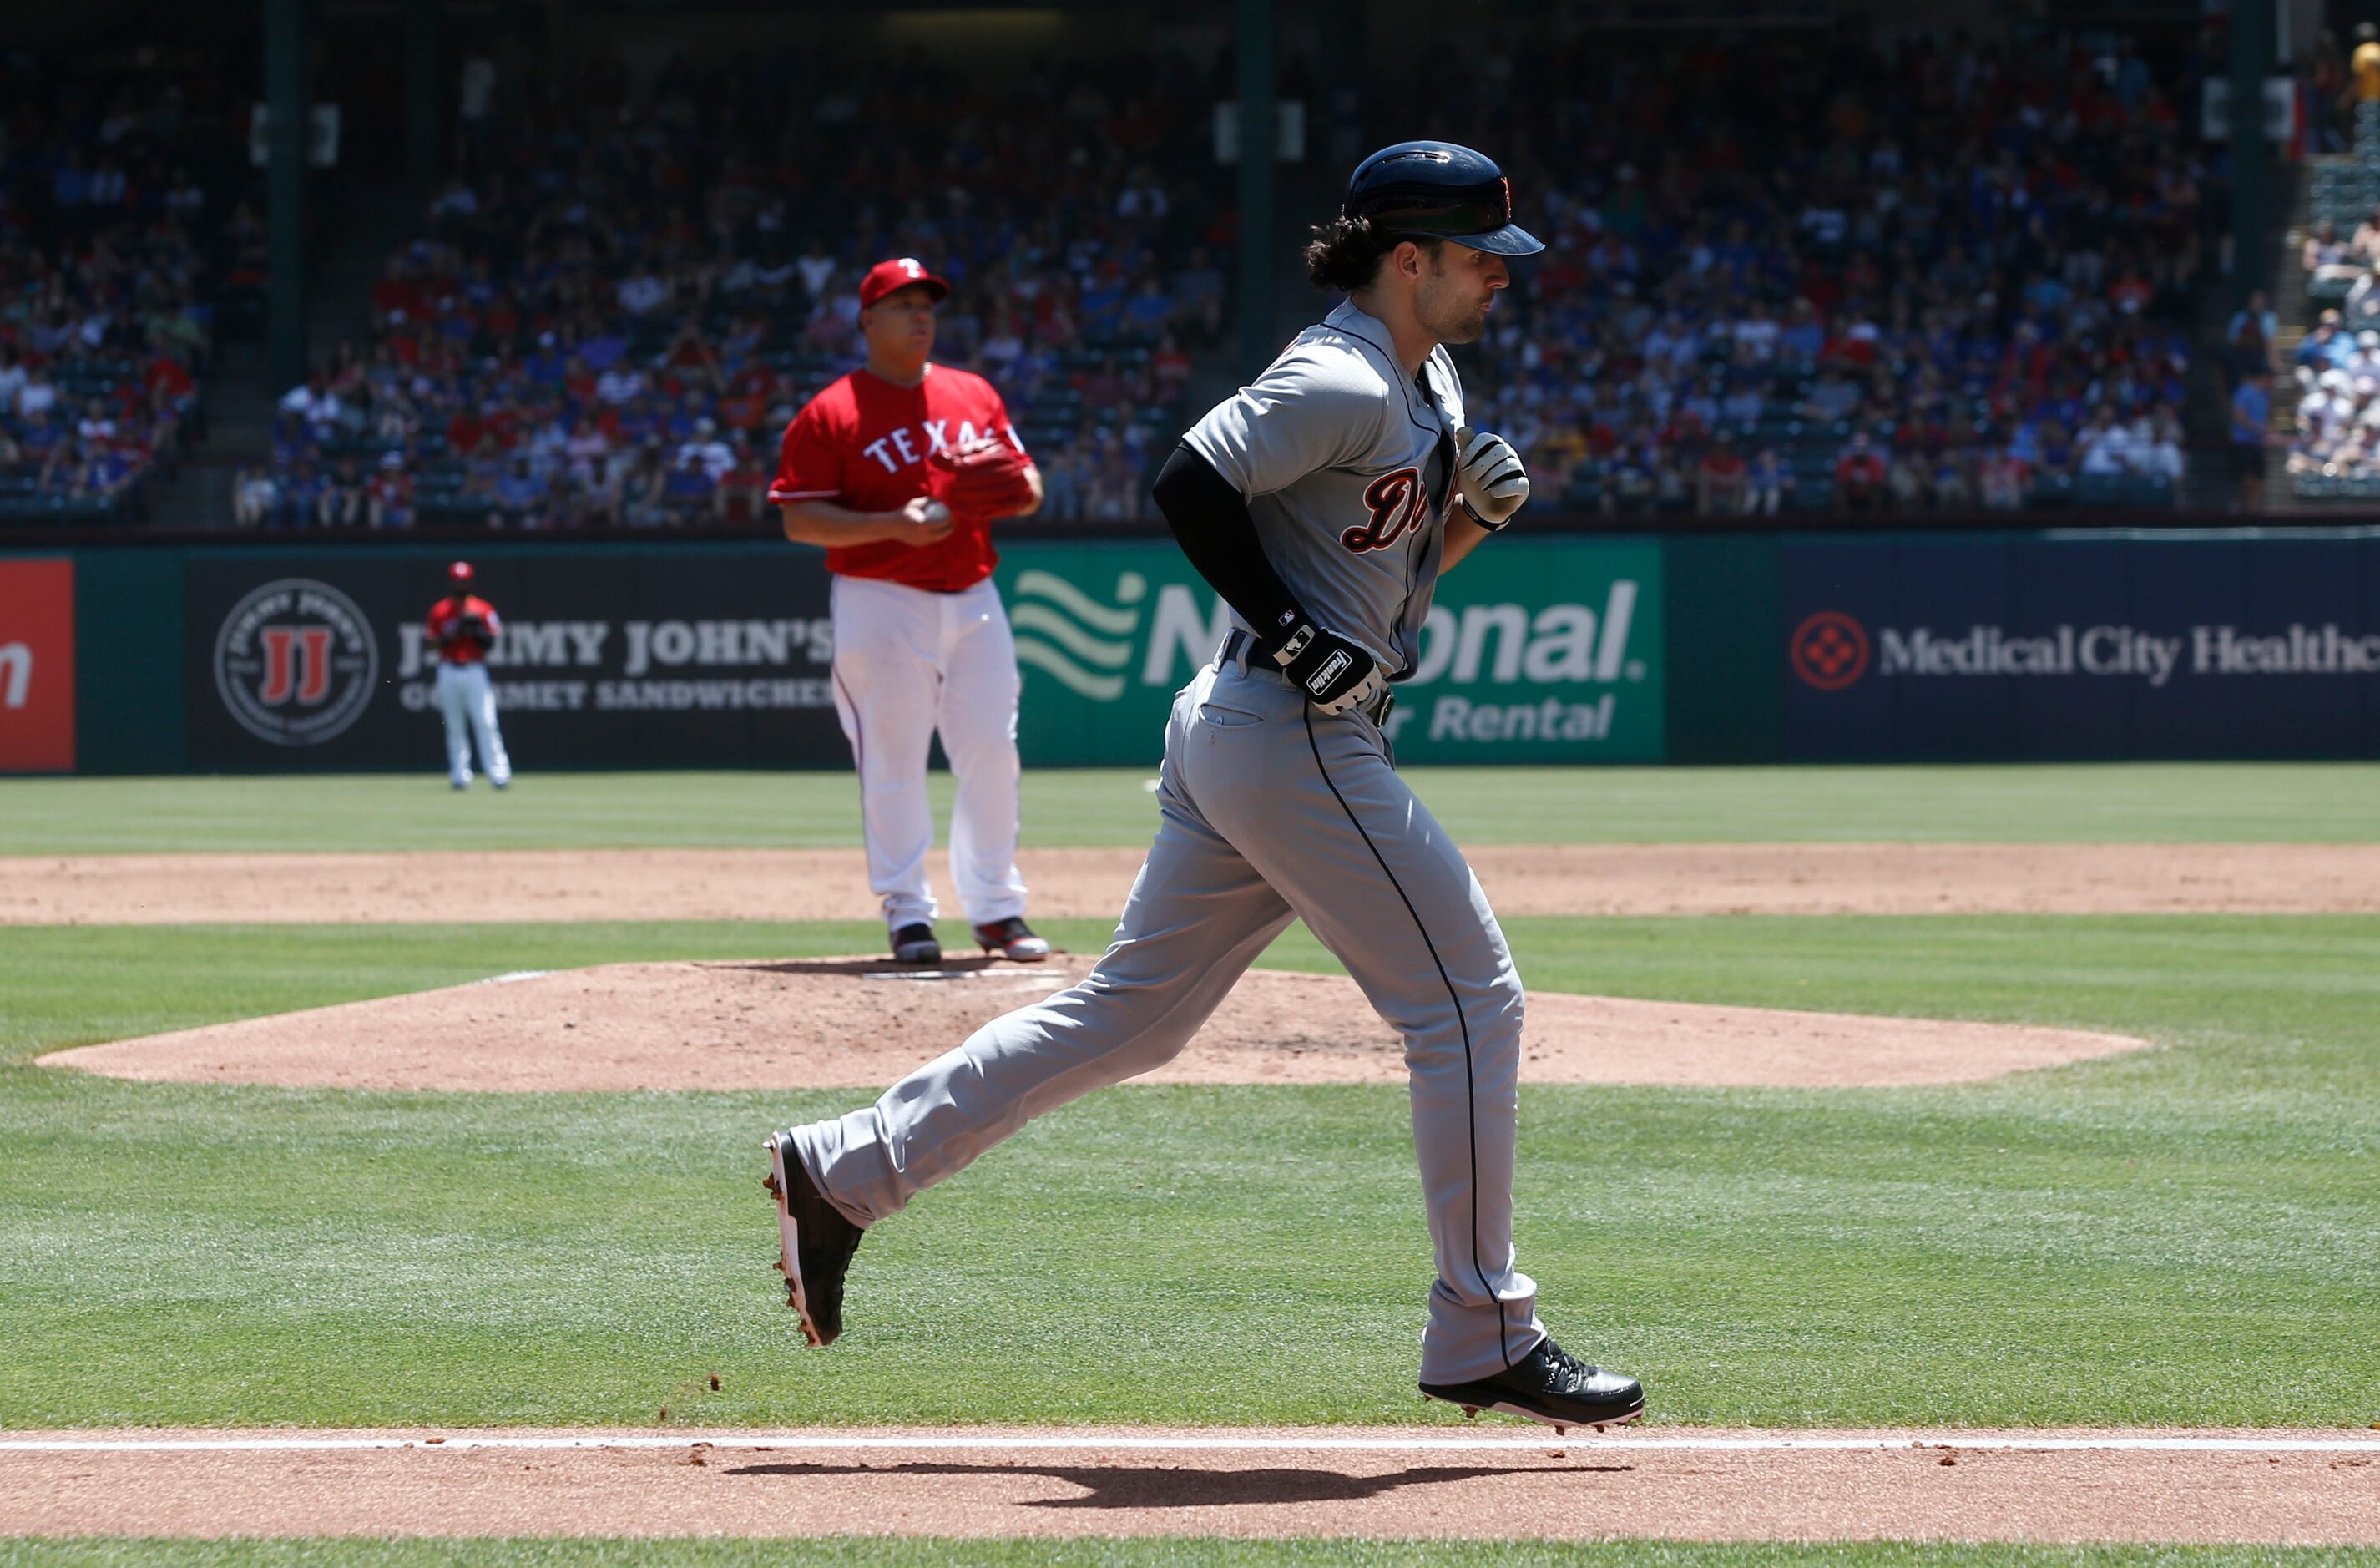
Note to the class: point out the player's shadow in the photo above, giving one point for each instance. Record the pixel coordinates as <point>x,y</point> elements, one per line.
<point>955,966</point>
<point>1148,1486</point>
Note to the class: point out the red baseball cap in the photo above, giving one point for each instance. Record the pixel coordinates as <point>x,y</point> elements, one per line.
<point>899,273</point>
<point>459,572</point>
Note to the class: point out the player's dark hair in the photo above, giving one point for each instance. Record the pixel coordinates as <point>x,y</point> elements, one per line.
<point>1345,253</point>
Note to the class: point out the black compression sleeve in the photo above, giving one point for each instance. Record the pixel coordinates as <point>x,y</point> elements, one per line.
<point>1212,525</point>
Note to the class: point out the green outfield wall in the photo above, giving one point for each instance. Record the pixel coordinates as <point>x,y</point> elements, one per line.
<point>1544,647</point>
<point>1550,650</point>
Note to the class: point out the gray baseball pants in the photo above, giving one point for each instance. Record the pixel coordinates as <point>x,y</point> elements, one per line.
<point>1269,811</point>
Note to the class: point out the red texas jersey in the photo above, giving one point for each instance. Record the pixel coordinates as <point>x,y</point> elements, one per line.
<point>452,630</point>
<point>862,443</point>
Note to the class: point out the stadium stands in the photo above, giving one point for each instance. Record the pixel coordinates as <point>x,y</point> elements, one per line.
<point>1861,278</point>
<point>2333,452</point>
<point>1820,275</point>
<point>611,321</point>
<point>123,240</point>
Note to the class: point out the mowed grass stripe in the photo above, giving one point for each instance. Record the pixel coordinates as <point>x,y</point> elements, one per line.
<point>2173,1238</point>
<point>2112,803</point>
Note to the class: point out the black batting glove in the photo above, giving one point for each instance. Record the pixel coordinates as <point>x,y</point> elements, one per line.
<point>1335,672</point>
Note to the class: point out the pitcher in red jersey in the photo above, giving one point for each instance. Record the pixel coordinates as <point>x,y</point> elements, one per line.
<point>921,642</point>
<point>460,629</point>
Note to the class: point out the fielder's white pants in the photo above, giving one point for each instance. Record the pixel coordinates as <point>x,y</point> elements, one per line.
<point>907,663</point>
<point>469,704</point>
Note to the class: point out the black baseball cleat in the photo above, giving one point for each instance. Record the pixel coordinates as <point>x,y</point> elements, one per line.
<point>915,944</point>
<point>815,1241</point>
<point>1552,1386</point>
<point>1012,938</point>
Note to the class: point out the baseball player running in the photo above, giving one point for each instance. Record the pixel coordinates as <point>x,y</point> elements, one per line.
<point>1321,502</point>
<point>899,468</point>
<point>461,628</point>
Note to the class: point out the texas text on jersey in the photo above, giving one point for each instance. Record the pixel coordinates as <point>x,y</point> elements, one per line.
<point>863,442</point>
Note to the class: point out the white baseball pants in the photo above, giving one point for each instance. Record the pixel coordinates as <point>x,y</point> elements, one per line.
<point>468,704</point>
<point>906,664</point>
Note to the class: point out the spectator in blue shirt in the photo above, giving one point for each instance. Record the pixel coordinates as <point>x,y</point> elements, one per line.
<point>2327,347</point>
<point>688,489</point>
<point>2251,414</point>
<point>1149,312</point>
<point>603,351</point>
<point>1102,304</point>
<point>301,492</point>
<point>518,490</point>
<point>1804,333</point>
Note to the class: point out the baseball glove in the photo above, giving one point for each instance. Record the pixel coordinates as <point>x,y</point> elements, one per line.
<point>984,478</point>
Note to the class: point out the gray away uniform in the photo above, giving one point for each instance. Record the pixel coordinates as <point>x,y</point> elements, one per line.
<point>1269,811</point>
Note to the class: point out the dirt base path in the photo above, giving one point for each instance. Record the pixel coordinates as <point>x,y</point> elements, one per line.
<point>1493,1482</point>
<point>824,884</point>
<point>861,1022</point>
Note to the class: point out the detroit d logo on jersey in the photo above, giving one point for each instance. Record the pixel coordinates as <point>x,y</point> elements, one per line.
<point>296,661</point>
<point>1395,500</point>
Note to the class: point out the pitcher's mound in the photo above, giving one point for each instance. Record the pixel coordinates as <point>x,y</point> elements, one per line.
<point>860,1023</point>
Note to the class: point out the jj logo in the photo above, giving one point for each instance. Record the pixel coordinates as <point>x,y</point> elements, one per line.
<point>295,663</point>
<point>308,649</point>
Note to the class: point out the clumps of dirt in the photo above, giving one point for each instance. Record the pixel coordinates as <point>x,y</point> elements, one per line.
<point>861,1022</point>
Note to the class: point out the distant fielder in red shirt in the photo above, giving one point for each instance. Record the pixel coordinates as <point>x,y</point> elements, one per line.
<point>461,628</point>
<point>899,469</point>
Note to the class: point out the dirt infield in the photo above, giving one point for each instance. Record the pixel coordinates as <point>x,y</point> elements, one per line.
<point>815,885</point>
<point>860,1023</point>
<point>1498,1481</point>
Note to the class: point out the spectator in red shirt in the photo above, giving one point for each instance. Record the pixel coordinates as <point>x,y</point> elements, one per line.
<point>1720,482</point>
<point>743,488</point>
<point>1859,475</point>
<point>390,500</point>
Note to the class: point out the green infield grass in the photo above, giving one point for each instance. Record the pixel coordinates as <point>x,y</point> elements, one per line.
<point>836,1552</point>
<point>2181,1236</point>
<point>2119,802</point>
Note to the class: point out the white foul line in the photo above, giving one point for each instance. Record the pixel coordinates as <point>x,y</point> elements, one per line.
<point>815,1441</point>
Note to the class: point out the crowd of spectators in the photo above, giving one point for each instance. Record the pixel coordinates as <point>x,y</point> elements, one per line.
<point>613,310</point>
<point>1813,271</point>
<point>2334,438</point>
<point>120,230</point>
<point>1823,273</point>
<point>2337,433</point>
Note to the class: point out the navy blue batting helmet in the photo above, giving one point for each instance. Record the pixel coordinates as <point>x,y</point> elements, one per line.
<point>1436,190</point>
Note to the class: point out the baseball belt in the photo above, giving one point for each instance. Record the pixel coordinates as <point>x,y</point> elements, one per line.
<point>1241,648</point>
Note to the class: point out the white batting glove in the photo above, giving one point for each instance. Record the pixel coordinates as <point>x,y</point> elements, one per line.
<point>1488,473</point>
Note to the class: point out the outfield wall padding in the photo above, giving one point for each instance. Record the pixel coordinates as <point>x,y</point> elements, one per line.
<point>129,686</point>
<point>1703,648</point>
<point>659,656</point>
<point>2080,646</point>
